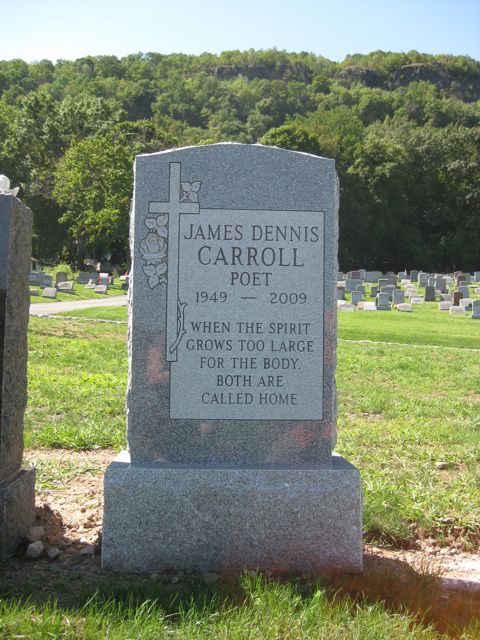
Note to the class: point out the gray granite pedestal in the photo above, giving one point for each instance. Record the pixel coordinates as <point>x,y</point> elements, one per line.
<point>221,519</point>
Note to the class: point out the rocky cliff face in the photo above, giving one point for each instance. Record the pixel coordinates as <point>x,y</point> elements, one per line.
<point>465,87</point>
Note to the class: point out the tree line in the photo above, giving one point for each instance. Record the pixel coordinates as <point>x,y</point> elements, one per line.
<point>404,129</point>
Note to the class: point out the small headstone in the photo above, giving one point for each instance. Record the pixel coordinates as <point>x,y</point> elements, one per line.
<point>34,277</point>
<point>17,484</point>
<point>90,285</point>
<point>383,302</point>
<point>464,290</point>
<point>457,296</point>
<point>476,276</point>
<point>431,281</point>
<point>66,287</point>
<point>49,292</point>
<point>476,310</point>
<point>104,281</point>
<point>34,292</point>
<point>430,294</point>
<point>373,291</point>
<point>83,277</point>
<point>422,279</point>
<point>360,288</point>
<point>369,306</point>
<point>440,284</point>
<point>417,300</point>
<point>350,285</point>
<point>372,276</point>
<point>230,438</point>
<point>457,311</point>
<point>61,276</point>
<point>347,307</point>
<point>404,307</point>
<point>383,282</point>
<point>444,305</point>
<point>355,275</point>
<point>100,288</point>
<point>340,276</point>
<point>340,293</point>
<point>356,297</point>
<point>414,276</point>
<point>388,289</point>
<point>466,303</point>
<point>398,296</point>
<point>446,297</point>
<point>45,280</point>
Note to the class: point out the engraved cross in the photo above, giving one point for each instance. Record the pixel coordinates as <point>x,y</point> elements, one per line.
<point>174,208</point>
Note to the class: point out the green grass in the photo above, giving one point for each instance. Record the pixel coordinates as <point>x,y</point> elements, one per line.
<point>80,293</point>
<point>77,382</point>
<point>402,412</point>
<point>426,325</point>
<point>263,611</point>
<point>99,313</point>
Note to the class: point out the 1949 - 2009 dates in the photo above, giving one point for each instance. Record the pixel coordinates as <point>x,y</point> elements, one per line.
<point>275,297</point>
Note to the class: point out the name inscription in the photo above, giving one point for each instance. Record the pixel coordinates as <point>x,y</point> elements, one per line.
<point>250,286</point>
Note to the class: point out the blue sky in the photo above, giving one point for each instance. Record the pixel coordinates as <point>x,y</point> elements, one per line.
<point>69,29</point>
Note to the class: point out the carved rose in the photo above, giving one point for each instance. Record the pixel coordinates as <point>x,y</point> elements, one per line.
<point>153,248</point>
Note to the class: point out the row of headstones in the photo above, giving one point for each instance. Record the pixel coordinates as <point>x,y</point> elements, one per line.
<point>98,282</point>
<point>421,277</point>
<point>383,304</point>
<point>437,285</point>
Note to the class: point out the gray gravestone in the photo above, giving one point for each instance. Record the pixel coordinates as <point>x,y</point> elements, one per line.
<point>464,290</point>
<point>17,485</point>
<point>383,302</point>
<point>231,393</point>
<point>356,297</point>
<point>373,292</point>
<point>350,285</point>
<point>430,294</point>
<point>476,310</point>
<point>66,287</point>
<point>414,276</point>
<point>45,280</point>
<point>49,292</point>
<point>60,276</point>
<point>422,279</point>
<point>100,288</point>
<point>398,296</point>
<point>441,284</point>
<point>476,276</point>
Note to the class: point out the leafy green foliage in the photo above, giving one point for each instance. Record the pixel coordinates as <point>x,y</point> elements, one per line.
<point>404,129</point>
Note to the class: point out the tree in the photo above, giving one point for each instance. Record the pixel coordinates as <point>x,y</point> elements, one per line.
<point>93,182</point>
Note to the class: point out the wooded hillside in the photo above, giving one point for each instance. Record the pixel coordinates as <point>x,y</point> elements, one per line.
<point>404,130</point>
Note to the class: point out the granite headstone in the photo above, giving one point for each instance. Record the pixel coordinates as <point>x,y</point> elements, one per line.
<point>17,485</point>
<point>231,393</point>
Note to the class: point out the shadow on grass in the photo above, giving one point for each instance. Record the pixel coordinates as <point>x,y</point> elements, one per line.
<point>396,585</point>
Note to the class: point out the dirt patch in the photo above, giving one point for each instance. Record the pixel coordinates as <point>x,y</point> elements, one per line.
<point>442,583</point>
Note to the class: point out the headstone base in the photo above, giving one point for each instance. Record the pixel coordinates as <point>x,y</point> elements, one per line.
<point>223,519</point>
<point>17,510</point>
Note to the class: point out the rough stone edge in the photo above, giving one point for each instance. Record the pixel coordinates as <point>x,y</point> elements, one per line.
<point>158,518</point>
<point>17,510</point>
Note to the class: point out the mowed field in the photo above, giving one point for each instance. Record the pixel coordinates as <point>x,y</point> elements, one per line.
<point>408,417</point>
<point>408,414</point>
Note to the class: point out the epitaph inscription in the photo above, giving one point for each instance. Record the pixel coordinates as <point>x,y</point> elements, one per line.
<point>244,324</point>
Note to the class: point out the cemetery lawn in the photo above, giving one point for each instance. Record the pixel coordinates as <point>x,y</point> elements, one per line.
<point>254,608</point>
<point>409,418</point>
<point>426,325</point>
<point>80,293</point>
<point>118,314</point>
